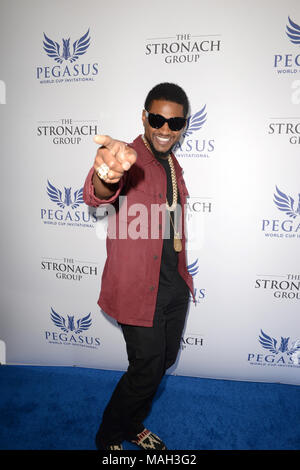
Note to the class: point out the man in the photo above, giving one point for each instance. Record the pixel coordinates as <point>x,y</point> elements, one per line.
<point>145,281</point>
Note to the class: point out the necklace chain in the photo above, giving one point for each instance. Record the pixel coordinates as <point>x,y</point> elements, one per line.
<point>171,207</point>
<point>177,239</point>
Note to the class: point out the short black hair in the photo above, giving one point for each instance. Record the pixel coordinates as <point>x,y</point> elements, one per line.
<point>168,92</point>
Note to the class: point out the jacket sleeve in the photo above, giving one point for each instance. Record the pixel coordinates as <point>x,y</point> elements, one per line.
<point>89,195</point>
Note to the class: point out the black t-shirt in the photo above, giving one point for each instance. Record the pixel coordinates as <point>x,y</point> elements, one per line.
<point>169,259</point>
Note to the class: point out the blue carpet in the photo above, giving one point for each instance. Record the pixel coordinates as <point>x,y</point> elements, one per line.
<point>59,408</point>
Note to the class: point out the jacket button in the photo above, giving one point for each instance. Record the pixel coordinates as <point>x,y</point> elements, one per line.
<point>152,288</point>
<point>160,195</point>
<point>155,257</point>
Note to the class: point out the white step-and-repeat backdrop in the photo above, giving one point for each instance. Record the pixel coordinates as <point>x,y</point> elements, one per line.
<point>70,70</point>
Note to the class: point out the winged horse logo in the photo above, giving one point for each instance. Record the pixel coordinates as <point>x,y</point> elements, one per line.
<point>69,324</point>
<point>56,196</point>
<point>286,203</point>
<point>195,122</point>
<point>53,49</point>
<point>293,32</point>
<point>271,344</point>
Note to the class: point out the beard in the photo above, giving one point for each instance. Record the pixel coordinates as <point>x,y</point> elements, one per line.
<point>158,154</point>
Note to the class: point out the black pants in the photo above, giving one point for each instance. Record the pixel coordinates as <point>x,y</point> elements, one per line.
<point>151,351</point>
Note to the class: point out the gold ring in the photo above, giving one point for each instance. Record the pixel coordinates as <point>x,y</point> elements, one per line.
<point>102,171</point>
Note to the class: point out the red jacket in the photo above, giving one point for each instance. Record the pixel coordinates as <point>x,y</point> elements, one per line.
<point>131,273</point>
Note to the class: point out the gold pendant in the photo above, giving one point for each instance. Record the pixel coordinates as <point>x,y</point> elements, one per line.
<point>177,242</point>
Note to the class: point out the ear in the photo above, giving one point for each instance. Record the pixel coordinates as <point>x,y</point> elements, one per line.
<point>144,117</point>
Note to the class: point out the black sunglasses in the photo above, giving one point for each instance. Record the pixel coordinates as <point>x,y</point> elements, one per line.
<point>157,121</point>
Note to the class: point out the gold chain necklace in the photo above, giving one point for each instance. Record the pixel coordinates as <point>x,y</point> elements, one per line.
<point>177,239</point>
<point>174,186</point>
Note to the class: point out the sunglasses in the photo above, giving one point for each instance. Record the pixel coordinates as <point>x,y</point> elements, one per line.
<point>157,121</point>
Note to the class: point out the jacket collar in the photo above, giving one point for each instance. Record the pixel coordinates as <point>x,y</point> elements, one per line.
<point>147,155</point>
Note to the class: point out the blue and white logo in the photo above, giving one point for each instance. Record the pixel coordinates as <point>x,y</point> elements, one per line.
<point>66,214</point>
<point>289,63</point>
<point>191,146</point>
<point>280,353</point>
<point>270,343</point>
<point>52,48</point>
<point>67,56</point>
<point>193,268</point>
<point>67,325</point>
<point>67,199</point>
<point>289,227</point>
<point>285,203</point>
<point>195,122</point>
<point>199,293</point>
<point>293,32</point>
<point>71,330</point>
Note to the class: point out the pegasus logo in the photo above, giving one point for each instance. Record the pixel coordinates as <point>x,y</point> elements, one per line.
<point>56,196</point>
<point>199,292</point>
<point>289,63</point>
<point>195,122</point>
<point>293,32</point>
<point>68,324</point>
<point>271,344</point>
<point>52,48</point>
<point>193,268</point>
<point>279,352</point>
<point>193,146</point>
<point>286,203</point>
